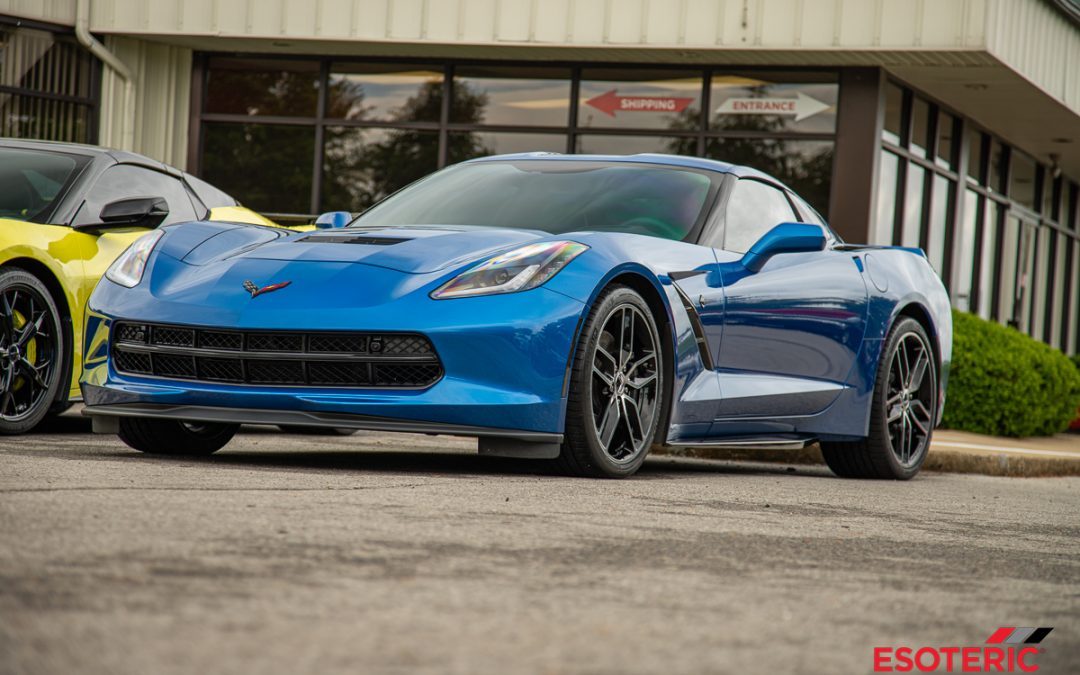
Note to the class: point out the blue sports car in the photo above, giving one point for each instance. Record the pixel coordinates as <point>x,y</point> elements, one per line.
<point>573,308</point>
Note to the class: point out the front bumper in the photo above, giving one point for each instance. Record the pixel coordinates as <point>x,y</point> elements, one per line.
<point>505,361</point>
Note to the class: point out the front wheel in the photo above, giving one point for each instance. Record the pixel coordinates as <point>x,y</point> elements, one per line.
<point>616,389</point>
<point>172,437</point>
<point>902,413</point>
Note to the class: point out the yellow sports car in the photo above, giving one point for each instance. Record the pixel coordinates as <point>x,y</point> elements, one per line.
<point>66,212</point>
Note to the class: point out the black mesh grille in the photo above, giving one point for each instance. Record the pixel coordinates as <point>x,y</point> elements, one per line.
<point>327,359</point>
<point>275,342</point>
<point>173,337</point>
<point>212,340</point>
<point>131,332</point>
<point>133,362</point>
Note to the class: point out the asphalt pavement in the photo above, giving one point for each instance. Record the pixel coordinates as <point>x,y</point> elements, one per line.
<point>400,554</point>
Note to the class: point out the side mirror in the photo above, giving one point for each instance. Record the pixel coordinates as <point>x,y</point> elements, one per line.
<point>333,220</point>
<point>784,238</point>
<point>133,212</point>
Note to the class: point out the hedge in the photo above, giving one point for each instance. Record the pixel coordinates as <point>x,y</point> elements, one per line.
<point>1005,383</point>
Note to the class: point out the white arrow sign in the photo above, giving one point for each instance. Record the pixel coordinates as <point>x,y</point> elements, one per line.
<point>802,106</point>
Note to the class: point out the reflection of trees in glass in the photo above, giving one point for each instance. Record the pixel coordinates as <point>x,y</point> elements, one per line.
<point>262,92</point>
<point>267,168</point>
<point>807,172</point>
<point>357,173</point>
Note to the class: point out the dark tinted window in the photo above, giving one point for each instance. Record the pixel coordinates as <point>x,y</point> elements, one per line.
<point>753,209</point>
<point>269,166</point>
<point>555,196</point>
<point>126,181</point>
<point>31,182</point>
<point>256,88</point>
<point>209,195</point>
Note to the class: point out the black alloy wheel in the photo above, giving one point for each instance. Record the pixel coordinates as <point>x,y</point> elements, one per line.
<point>617,387</point>
<point>902,414</point>
<point>31,352</point>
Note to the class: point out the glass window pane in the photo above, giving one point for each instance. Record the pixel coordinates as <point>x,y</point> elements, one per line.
<point>127,181</point>
<point>920,127</point>
<point>361,166</point>
<point>1022,180</point>
<point>387,92</point>
<point>940,208</point>
<point>997,168</point>
<point>753,209</point>
<point>468,144</point>
<point>886,200</point>
<point>44,61</point>
<point>594,144</point>
<point>512,96</point>
<point>945,148</point>
<point>26,116</point>
<point>804,166</point>
<point>266,167</point>
<point>1056,306</point>
<point>1074,294</point>
<point>638,98</point>
<point>774,102</point>
<point>913,206</point>
<point>894,104</point>
<point>987,278</point>
<point>1007,288</point>
<point>262,87</point>
<point>1051,196</point>
<point>964,253</point>
<point>975,156</point>
<point>1040,282</point>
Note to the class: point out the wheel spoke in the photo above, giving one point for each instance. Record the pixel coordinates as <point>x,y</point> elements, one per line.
<point>31,372</point>
<point>640,362</point>
<point>633,420</point>
<point>609,422</point>
<point>914,421</point>
<point>6,401</point>
<point>30,330</point>
<point>918,373</point>
<point>904,365</point>
<point>7,320</point>
<point>607,355</point>
<point>641,382</point>
<point>895,413</point>
<point>608,379</point>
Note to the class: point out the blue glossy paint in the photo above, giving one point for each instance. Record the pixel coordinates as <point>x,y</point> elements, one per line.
<point>333,220</point>
<point>793,329</point>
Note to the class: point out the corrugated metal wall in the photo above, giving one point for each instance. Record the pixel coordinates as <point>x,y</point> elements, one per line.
<point>162,99</point>
<point>1052,61</point>
<point>768,24</point>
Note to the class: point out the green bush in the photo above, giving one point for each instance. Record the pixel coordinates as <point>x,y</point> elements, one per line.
<point>1005,383</point>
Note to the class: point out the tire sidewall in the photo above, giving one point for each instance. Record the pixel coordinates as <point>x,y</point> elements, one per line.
<point>612,301</point>
<point>19,278</point>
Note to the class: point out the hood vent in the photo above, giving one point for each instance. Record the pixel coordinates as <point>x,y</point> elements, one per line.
<point>353,239</point>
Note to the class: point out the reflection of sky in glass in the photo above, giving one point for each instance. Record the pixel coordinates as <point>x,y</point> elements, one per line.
<point>725,87</point>
<point>675,87</point>
<point>378,96</point>
<point>521,102</point>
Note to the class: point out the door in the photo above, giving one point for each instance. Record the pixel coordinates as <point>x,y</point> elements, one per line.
<point>792,330</point>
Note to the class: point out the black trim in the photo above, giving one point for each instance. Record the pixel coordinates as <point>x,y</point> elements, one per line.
<point>198,413</point>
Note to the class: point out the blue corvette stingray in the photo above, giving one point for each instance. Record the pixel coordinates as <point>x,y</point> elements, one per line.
<point>574,308</point>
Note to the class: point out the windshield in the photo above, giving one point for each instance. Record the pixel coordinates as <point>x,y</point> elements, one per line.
<point>555,196</point>
<point>31,182</point>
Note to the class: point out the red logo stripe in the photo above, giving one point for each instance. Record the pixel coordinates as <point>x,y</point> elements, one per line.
<point>1000,634</point>
<point>271,287</point>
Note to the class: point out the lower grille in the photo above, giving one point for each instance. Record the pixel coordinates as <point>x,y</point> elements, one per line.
<point>320,359</point>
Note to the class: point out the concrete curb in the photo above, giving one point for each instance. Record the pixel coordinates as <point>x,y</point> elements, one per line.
<point>945,460</point>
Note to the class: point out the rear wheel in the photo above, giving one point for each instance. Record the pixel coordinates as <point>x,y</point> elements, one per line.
<point>172,437</point>
<point>902,414</point>
<point>31,352</point>
<point>616,389</point>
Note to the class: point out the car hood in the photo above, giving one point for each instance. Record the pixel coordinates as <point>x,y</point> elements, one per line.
<point>414,250</point>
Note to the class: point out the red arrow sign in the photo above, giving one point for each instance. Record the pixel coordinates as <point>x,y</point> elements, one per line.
<point>608,103</point>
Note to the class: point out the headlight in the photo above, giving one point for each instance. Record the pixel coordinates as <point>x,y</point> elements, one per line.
<point>127,270</point>
<point>518,270</point>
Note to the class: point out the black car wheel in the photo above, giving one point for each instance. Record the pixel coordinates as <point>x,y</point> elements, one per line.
<point>902,414</point>
<point>616,389</point>
<point>31,352</point>
<point>172,437</point>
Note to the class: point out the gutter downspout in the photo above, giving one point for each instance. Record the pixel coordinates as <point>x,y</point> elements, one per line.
<point>82,33</point>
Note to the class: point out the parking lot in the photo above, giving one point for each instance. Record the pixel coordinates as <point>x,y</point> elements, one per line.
<point>381,553</point>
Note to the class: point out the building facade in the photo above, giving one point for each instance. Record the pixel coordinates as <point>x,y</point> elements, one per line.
<point>951,125</point>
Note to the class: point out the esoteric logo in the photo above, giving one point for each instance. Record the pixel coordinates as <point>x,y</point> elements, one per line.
<point>1009,649</point>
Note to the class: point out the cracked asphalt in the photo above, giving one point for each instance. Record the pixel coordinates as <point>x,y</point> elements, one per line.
<point>379,553</point>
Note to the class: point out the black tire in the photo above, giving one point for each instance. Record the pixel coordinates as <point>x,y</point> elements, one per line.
<point>902,416</point>
<point>315,431</point>
<point>173,437</point>
<point>630,385</point>
<point>32,352</point>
